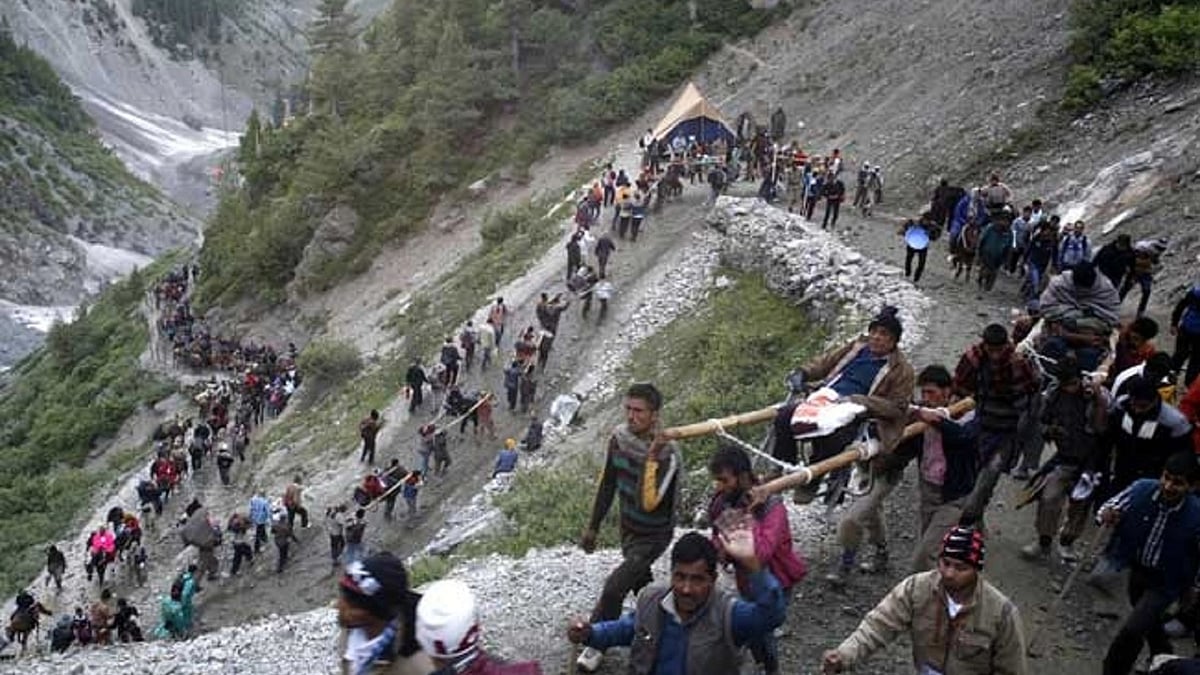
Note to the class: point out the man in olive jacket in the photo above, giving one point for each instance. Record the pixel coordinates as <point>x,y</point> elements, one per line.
<point>958,622</point>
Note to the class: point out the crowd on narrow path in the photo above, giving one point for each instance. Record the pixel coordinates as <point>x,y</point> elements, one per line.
<point>1073,403</point>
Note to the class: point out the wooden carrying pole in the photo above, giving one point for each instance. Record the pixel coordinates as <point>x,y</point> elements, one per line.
<point>713,426</point>
<point>805,474</point>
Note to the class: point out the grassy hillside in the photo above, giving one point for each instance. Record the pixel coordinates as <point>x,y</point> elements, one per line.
<point>53,167</point>
<point>1119,41</point>
<point>59,404</point>
<point>434,96</point>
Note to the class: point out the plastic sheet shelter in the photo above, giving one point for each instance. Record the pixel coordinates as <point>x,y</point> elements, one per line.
<point>693,115</point>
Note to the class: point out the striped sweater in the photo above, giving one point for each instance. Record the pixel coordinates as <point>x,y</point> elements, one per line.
<point>647,489</point>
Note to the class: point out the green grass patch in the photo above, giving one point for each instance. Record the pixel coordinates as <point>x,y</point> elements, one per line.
<point>62,402</point>
<point>731,355</point>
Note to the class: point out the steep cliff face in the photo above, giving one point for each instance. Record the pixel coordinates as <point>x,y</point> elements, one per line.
<point>167,108</point>
<point>73,217</point>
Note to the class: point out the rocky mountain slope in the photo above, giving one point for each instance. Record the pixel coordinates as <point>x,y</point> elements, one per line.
<point>74,217</point>
<point>926,89</point>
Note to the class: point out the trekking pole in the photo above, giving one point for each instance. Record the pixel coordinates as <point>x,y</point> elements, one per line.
<point>1089,556</point>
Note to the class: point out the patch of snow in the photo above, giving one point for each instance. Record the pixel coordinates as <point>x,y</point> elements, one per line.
<point>109,262</point>
<point>35,317</point>
<point>149,141</point>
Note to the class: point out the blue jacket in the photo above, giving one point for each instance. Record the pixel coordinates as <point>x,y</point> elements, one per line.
<point>1172,548</point>
<point>756,618</point>
<point>506,462</point>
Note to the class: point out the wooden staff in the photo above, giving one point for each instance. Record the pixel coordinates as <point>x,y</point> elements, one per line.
<point>486,396</point>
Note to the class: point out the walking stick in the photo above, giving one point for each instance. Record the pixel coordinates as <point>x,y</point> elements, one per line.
<point>1089,555</point>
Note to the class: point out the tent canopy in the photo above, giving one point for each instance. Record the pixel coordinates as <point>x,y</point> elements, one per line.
<point>693,115</point>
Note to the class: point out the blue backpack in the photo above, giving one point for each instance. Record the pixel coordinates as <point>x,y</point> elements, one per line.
<point>1190,321</point>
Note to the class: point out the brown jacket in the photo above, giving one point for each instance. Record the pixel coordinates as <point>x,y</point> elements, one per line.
<point>417,664</point>
<point>985,639</point>
<point>890,394</point>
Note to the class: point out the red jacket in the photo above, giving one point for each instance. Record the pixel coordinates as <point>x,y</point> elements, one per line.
<point>1190,407</point>
<point>772,542</point>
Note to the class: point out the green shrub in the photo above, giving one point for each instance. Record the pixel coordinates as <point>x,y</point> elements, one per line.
<point>326,364</point>
<point>433,97</point>
<point>1083,88</point>
<point>1129,39</point>
<point>1166,43</point>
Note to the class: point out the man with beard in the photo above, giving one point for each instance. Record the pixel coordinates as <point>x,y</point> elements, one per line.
<point>956,620</point>
<point>377,613</point>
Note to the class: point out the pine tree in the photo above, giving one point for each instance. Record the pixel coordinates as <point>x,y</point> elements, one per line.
<point>332,45</point>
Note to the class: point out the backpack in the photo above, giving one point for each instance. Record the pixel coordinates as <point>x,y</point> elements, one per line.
<point>83,630</point>
<point>1073,250</point>
<point>467,338</point>
<point>1190,321</point>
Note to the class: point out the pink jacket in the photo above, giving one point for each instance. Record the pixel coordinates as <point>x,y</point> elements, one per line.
<point>772,542</point>
<point>103,542</point>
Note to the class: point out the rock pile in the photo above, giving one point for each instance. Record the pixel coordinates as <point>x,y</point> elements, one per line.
<point>277,645</point>
<point>829,279</point>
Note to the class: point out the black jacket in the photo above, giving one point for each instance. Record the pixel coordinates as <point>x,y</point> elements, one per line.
<point>1113,262</point>
<point>959,441</point>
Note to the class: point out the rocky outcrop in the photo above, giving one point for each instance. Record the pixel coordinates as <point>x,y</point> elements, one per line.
<point>834,282</point>
<point>330,240</point>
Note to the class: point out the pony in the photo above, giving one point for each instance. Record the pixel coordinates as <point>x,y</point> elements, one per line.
<point>963,247</point>
<point>669,187</point>
<point>25,620</point>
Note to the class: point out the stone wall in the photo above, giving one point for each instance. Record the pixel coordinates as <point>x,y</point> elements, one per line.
<point>829,279</point>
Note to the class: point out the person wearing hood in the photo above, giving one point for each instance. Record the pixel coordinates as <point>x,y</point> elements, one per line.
<point>449,632</point>
<point>1082,309</point>
<point>377,613</point>
<point>641,472</point>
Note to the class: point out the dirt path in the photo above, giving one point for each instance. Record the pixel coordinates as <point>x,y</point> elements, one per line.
<point>821,616</point>
<point>581,345</point>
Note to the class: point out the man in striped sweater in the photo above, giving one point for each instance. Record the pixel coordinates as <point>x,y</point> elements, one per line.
<point>641,473</point>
